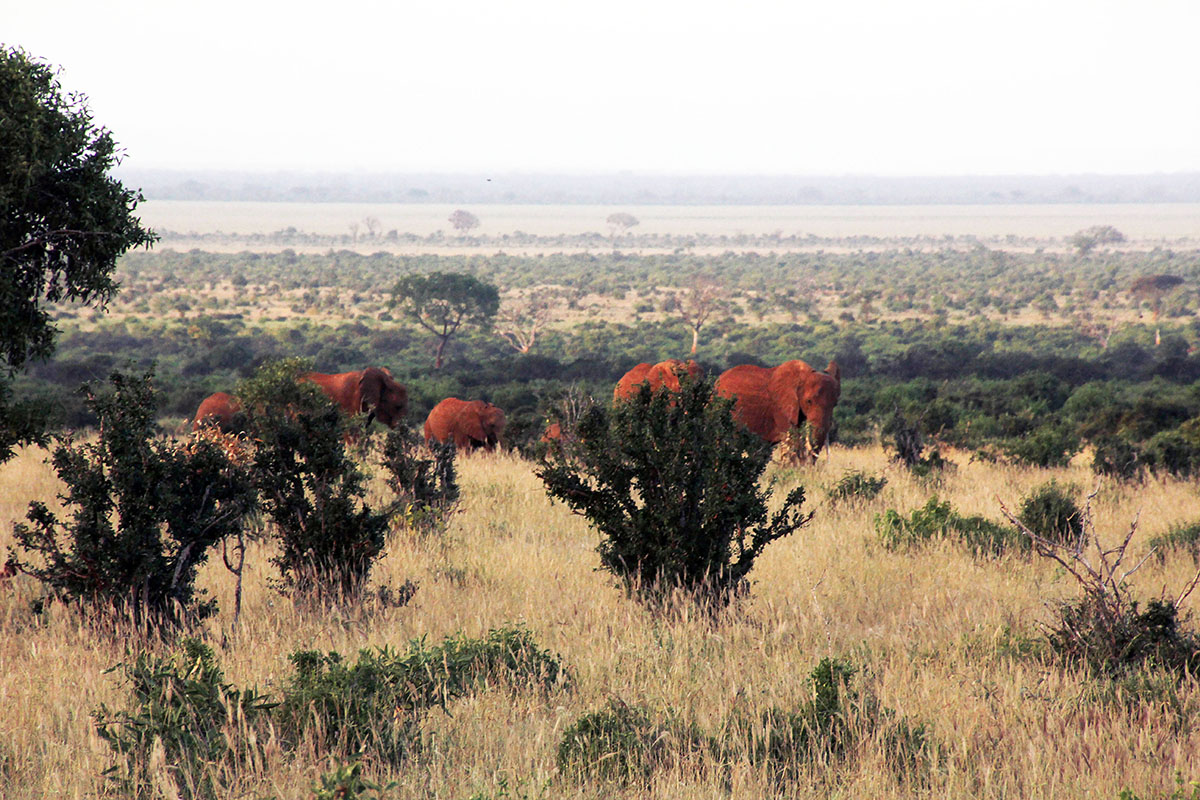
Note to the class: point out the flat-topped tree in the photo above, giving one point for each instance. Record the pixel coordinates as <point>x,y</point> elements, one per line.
<point>441,302</point>
<point>64,220</point>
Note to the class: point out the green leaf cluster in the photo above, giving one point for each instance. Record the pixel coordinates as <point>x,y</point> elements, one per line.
<point>671,482</point>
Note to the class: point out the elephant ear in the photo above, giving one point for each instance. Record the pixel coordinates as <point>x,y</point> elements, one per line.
<point>835,372</point>
<point>370,388</point>
<point>785,388</point>
<point>470,421</point>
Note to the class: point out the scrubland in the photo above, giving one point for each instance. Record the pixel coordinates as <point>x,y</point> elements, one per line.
<point>938,635</point>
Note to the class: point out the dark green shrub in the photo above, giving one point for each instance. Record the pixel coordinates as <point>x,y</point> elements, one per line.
<point>671,482</point>
<point>426,488</point>
<point>829,726</point>
<point>856,485</point>
<point>1180,537</point>
<point>907,443</point>
<point>182,705</point>
<point>1047,446</point>
<point>329,537</point>
<point>626,744</point>
<point>1172,453</point>
<point>1117,457</point>
<point>145,512</point>
<point>936,520</point>
<point>1111,636</point>
<point>1051,512</point>
<point>375,704</point>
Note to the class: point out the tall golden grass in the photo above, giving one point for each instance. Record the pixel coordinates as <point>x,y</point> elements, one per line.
<point>929,631</point>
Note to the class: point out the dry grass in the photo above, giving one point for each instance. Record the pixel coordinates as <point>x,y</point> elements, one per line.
<point>928,630</point>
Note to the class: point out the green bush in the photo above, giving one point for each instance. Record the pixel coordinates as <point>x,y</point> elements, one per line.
<point>426,489</point>
<point>626,744</point>
<point>1113,638</point>
<point>827,728</point>
<point>183,706</point>
<point>1172,453</point>
<point>1051,512</point>
<point>907,443</point>
<point>329,537</point>
<point>1117,457</point>
<point>1180,537</point>
<point>145,512</point>
<point>856,485</point>
<point>671,482</point>
<point>375,704</point>
<point>1047,446</point>
<point>938,520</point>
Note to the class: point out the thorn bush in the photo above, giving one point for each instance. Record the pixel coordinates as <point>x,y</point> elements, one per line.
<point>1051,512</point>
<point>671,483</point>
<point>907,444</point>
<point>329,537</point>
<point>144,512</point>
<point>426,489</point>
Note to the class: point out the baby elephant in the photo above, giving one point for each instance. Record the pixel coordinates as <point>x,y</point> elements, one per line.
<point>468,423</point>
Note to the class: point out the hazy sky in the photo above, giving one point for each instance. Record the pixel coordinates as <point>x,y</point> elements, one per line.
<point>929,87</point>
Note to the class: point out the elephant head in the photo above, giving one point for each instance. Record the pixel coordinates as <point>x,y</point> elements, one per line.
<point>470,424</point>
<point>381,397</point>
<point>770,402</point>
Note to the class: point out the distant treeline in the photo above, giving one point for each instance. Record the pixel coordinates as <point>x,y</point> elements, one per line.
<point>638,189</point>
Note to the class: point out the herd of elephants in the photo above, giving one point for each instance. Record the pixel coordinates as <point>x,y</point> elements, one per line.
<point>768,401</point>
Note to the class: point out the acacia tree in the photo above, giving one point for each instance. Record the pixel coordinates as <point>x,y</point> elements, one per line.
<point>524,317</point>
<point>696,305</point>
<point>1086,240</point>
<point>441,302</point>
<point>464,221</point>
<point>63,221</point>
<point>622,221</point>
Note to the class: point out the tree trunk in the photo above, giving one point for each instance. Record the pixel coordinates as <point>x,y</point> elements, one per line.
<point>441,346</point>
<point>695,339</point>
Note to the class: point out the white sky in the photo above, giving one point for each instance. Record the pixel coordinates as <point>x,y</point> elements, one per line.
<point>924,87</point>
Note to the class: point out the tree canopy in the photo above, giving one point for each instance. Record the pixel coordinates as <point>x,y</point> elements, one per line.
<point>441,302</point>
<point>64,220</point>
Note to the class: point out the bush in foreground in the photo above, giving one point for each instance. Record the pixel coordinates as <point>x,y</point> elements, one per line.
<point>145,512</point>
<point>329,537</point>
<point>190,734</point>
<point>671,482</point>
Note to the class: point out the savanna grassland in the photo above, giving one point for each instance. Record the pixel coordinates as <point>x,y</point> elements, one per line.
<point>936,634</point>
<point>1016,354</point>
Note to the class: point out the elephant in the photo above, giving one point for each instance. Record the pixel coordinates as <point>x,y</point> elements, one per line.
<point>468,423</point>
<point>771,401</point>
<point>372,391</point>
<point>216,409</point>
<point>664,373</point>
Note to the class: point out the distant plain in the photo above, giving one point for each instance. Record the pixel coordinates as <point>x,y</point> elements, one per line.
<point>1144,224</point>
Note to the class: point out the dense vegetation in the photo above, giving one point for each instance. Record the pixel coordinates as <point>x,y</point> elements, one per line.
<point>1018,355</point>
